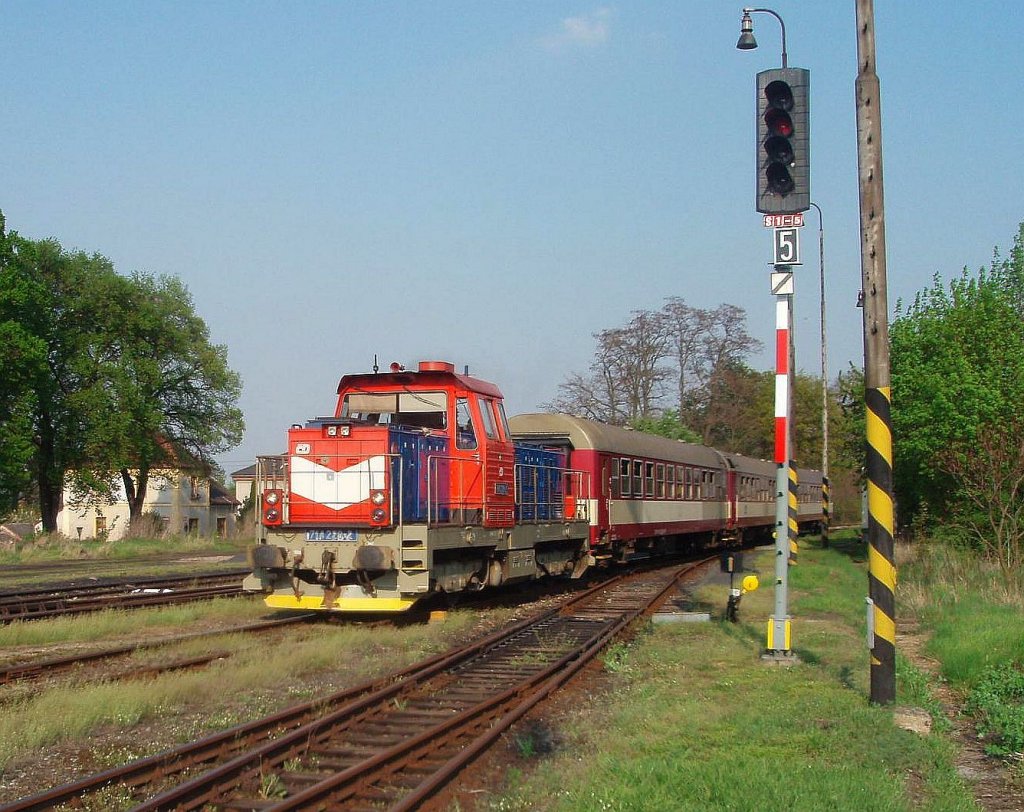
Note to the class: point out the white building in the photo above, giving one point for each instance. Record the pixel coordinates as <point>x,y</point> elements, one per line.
<point>184,502</point>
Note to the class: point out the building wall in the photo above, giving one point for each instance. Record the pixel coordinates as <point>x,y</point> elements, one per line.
<point>182,501</point>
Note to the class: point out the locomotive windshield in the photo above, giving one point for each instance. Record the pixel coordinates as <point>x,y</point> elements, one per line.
<point>423,409</point>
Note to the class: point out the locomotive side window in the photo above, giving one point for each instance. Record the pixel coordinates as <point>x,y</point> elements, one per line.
<point>624,477</point>
<point>503,419</point>
<point>488,417</point>
<point>464,431</point>
<point>638,478</point>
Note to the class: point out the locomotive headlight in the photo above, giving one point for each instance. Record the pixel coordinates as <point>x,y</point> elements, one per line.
<point>272,497</point>
<point>378,497</point>
<point>378,515</point>
<point>271,515</point>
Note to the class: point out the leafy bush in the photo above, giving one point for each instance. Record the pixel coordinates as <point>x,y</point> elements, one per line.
<point>998,703</point>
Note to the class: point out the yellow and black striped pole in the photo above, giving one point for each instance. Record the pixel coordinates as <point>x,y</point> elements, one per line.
<point>881,566</point>
<point>794,508</point>
<point>877,395</point>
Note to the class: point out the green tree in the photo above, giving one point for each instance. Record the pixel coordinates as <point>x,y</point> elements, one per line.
<point>957,370</point>
<point>666,424</point>
<point>49,301</point>
<point>104,377</point>
<point>172,395</point>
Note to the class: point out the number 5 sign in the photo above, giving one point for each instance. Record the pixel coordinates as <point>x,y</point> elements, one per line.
<point>787,246</point>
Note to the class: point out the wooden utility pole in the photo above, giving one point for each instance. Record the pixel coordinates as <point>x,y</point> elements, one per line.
<point>877,392</point>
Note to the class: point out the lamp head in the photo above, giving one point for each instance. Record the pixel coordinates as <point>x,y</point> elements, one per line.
<point>746,41</point>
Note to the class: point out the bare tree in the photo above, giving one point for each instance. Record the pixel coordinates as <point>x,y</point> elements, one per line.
<point>625,377</point>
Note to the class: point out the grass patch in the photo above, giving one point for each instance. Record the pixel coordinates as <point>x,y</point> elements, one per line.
<point>41,549</point>
<point>310,660</point>
<point>695,721</point>
<point>112,625</point>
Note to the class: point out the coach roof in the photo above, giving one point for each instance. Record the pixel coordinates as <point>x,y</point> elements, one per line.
<point>586,434</point>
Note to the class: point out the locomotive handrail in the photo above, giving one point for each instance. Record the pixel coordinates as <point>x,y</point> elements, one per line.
<point>433,480</point>
<point>556,505</point>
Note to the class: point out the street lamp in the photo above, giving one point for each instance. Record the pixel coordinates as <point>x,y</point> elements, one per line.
<point>826,490</point>
<point>747,42</point>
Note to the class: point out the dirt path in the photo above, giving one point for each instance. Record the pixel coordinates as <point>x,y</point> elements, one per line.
<point>988,778</point>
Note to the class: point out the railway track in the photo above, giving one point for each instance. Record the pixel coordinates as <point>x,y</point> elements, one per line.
<point>54,666</point>
<point>31,604</point>
<point>393,743</point>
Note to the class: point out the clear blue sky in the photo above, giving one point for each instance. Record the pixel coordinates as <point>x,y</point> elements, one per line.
<point>487,183</point>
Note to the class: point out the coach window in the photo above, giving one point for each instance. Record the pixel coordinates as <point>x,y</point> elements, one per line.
<point>670,475</point>
<point>624,477</point>
<point>488,417</point>
<point>465,434</point>
<point>649,493</point>
<point>660,473</point>
<point>638,478</point>
<point>680,492</point>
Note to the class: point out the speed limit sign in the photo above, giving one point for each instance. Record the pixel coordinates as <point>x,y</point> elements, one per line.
<point>787,246</point>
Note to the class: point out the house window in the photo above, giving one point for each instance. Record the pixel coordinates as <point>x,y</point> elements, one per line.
<point>222,526</point>
<point>191,526</point>
<point>101,525</point>
<point>196,489</point>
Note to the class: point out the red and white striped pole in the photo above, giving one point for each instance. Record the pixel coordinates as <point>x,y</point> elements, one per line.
<point>779,636</point>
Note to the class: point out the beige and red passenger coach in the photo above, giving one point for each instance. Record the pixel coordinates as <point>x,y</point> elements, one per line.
<point>652,492</point>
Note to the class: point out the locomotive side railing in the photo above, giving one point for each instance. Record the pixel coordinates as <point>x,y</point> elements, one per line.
<point>549,493</point>
<point>447,474</point>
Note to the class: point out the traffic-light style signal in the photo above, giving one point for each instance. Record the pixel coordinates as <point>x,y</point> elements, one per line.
<point>783,141</point>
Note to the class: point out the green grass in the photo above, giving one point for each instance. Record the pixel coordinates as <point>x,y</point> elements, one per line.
<point>55,548</point>
<point>111,625</point>
<point>693,719</point>
<point>310,660</point>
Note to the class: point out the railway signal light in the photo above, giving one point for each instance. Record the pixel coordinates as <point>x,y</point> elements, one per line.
<point>783,141</point>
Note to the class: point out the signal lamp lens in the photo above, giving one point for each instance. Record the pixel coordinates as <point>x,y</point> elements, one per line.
<point>778,123</point>
<point>779,149</point>
<point>779,179</point>
<point>779,95</point>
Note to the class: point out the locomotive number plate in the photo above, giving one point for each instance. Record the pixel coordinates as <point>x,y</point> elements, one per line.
<point>331,535</point>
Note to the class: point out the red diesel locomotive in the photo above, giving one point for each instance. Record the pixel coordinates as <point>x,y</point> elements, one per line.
<point>419,484</point>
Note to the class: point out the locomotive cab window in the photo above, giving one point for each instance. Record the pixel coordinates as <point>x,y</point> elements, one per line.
<point>420,409</point>
<point>465,433</point>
